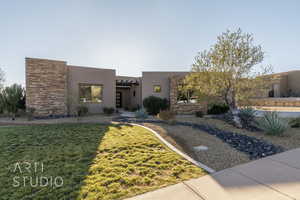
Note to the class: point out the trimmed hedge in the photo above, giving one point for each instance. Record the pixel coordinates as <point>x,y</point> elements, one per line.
<point>154,104</point>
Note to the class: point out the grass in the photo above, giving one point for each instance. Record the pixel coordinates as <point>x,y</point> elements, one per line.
<point>94,161</point>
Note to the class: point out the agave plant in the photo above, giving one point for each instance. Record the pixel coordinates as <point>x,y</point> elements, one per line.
<point>272,124</point>
<point>141,113</point>
<point>247,116</point>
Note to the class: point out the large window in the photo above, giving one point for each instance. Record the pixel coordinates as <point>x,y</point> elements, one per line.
<point>185,95</point>
<point>89,93</point>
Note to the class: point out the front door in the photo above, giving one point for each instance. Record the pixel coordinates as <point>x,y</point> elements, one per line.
<point>119,99</point>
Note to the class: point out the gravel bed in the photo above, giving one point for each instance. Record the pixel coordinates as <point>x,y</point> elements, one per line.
<point>218,156</point>
<point>255,148</point>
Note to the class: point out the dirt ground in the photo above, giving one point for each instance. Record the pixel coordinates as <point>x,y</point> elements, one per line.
<point>218,156</point>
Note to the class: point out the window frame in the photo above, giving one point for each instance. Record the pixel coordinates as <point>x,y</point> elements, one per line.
<point>155,90</point>
<point>90,84</point>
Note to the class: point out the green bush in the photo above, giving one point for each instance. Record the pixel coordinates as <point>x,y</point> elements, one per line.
<point>247,117</point>
<point>272,124</point>
<point>216,109</point>
<point>199,114</point>
<point>155,104</point>
<point>12,98</point>
<point>82,110</point>
<point>295,123</point>
<point>108,110</point>
<point>141,113</point>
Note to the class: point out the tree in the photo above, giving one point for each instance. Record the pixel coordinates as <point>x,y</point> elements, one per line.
<point>2,78</point>
<point>11,98</point>
<point>228,70</point>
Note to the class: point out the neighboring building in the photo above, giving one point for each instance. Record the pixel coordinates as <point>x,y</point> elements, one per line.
<point>55,88</point>
<point>287,84</point>
<point>285,91</point>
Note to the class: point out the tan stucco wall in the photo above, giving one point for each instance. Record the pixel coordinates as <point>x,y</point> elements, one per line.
<point>294,82</point>
<point>149,79</point>
<point>105,77</point>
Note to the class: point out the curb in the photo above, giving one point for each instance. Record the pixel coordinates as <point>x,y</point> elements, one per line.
<point>199,164</point>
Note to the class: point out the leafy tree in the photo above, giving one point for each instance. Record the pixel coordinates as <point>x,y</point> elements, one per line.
<point>2,78</point>
<point>228,70</point>
<point>11,98</point>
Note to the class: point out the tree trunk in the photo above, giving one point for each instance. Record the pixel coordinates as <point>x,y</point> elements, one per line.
<point>234,111</point>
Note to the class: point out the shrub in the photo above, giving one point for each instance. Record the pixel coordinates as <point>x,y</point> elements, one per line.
<point>247,117</point>
<point>12,99</point>
<point>30,113</point>
<point>295,123</point>
<point>216,109</point>
<point>166,115</point>
<point>199,114</point>
<point>155,104</point>
<point>272,124</point>
<point>133,109</point>
<point>108,110</point>
<point>82,110</point>
<point>141,113</point>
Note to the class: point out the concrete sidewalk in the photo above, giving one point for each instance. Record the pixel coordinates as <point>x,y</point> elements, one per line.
<point>273,178</point>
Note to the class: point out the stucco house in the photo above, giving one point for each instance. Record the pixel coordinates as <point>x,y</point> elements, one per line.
<point>56,88</point>
<point>285,91</point>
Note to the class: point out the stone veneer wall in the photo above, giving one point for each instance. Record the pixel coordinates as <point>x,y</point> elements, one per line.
<point>182,108</point>
<point>46,86</point>
<point>280,102</point>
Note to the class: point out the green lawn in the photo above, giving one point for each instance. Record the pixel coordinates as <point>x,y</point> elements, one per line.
<point>94,162</point>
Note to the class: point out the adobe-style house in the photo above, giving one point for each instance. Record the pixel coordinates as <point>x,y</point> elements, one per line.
<point>285,91</point>
<point>56,88</point>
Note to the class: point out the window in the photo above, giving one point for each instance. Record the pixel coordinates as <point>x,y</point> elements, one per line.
<point>89,93</point>
<point>185,95</point>
<point>157,88</point>
<point>134,93</point>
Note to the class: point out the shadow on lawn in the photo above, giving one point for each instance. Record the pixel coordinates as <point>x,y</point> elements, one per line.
<point>65,150</point>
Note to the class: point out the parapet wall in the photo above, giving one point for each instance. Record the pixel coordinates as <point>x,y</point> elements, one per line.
<point>279,102</point>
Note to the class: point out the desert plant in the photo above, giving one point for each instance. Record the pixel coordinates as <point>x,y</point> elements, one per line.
<point>216,109</point>
<point>247,116</point>
<point>155,104</point>
<point>231,70</point>
<point>82,110</point>
<point>11,97</point>
<point>295,123</point>
<point>141,113</point>
<point>199,114</point>
<point>166,115</point>
<point>272,124</point>
<point>30,113</point>
<point>108,110</point>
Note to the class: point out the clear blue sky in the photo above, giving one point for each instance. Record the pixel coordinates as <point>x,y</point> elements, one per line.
<point>141,35</point>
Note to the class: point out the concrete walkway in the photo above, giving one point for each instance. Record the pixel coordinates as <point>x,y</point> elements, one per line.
<point>273,178</point>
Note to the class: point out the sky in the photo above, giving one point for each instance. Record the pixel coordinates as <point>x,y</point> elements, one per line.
<point>141,35</point>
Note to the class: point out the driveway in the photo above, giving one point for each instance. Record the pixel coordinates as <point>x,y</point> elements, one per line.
<point>273,178</point>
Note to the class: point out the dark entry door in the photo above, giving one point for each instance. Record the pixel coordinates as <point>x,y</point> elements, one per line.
<point>119,99</point>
